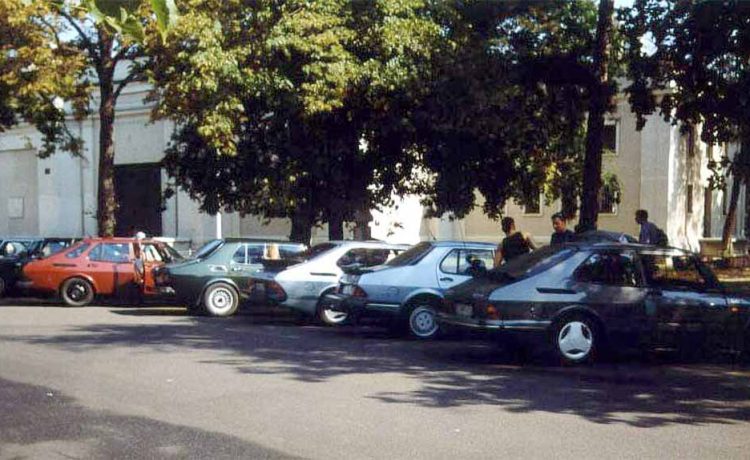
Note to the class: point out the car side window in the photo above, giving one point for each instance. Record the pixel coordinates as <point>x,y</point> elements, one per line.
<point>482,257</point>
<point>12,248</point>
<point>255,253</point>
<point>672,272</point>
<point>614,269</point>
<point>76,252</point>
<point>111,252</point>
<point>450,262</point>
<point>240,255</point>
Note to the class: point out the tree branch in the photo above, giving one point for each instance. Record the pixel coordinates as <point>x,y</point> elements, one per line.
<point>133,76</point>
<point>84,38</point>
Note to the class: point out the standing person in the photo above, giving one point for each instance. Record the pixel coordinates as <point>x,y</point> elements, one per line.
<point>561,234</point>
<point>650,233</point>
<point>514,244</point>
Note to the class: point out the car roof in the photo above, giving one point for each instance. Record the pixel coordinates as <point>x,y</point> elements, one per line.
<point>456,243</point>
<point>613,245</point>
<point>118,239</point>
<point>368,243</point>
<point>259,240</point>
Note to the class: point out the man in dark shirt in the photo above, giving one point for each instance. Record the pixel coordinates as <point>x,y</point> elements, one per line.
<point>561,233</point>
<point>514,244</point>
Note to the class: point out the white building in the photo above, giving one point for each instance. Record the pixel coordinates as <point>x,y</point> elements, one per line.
<point>659,169</point>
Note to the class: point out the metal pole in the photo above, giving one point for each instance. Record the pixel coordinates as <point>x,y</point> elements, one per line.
<point>218,225</point>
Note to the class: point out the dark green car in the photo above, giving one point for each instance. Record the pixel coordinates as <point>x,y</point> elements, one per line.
<point>216,279</point>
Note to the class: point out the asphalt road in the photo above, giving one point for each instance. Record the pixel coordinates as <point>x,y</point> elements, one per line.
<point>121,382</point>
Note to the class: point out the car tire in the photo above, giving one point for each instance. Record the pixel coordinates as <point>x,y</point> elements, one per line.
<point>77,292</point>
<point>576,339</point>
<point>220,299</point>
<point>420,320</point>
<point>328,317</point>
<point>3,286</point>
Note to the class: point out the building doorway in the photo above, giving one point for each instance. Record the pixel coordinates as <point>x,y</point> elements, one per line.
<point>138,191</point>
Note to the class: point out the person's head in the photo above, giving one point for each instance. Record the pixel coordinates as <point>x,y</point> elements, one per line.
<point>558,222</point>
<point>508,225</point>
<point>641,216</point>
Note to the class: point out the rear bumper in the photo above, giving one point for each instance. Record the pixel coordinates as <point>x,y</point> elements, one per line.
<point>358,305</point>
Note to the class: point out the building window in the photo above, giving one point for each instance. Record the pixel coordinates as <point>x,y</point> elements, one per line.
<point>691,142</point>
<point>533,207</point>
<point>609,136</point>
<point>609,197</point>
<point>689,199</point>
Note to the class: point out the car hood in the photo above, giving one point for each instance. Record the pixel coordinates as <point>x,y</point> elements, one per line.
<point>182,263</point>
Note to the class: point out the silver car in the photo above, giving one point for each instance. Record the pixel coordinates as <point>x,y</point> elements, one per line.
<point>303,286</point>
<point>409,287</point>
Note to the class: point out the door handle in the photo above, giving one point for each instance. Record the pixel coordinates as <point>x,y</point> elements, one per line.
<point>236,269</point>
<point>445,278</point>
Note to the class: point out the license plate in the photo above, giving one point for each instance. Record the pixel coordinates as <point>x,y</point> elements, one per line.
<point>348,289</point>
<point>463,310</point>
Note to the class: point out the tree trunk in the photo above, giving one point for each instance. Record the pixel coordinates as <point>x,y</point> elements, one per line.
<point>362,218</point>
<point>731,218</point>
<point>598,106</point>
<point>741,171</point>
<point>301,229</point>
<point>335,225</point>
<point>107,201</point>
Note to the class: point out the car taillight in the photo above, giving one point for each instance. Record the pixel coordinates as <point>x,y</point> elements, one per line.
<point>491,312</point>
<point>358,292</point>
<point>275,290</point>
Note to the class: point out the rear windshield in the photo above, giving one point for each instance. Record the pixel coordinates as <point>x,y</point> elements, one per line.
<point>315,251</point>
<point>535,262</point>
<point>208,249</point>
<point>411,256</point>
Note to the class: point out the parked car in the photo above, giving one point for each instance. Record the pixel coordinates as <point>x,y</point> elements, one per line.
<point>215,279</point>
<point>409,288</point>
<point>16,252</point>
<point>583,297</point>
<point>303,286</point>
<point>98,267</point>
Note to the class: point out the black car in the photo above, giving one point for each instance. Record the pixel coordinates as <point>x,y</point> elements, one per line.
<point>16,252</point>
<point>582,297</point>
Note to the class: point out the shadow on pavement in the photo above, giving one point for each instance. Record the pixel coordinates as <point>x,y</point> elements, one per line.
<point>450,372</point>
<point>37,422</point>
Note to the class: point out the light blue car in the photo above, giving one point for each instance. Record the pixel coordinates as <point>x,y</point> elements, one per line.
<point>302,286</point>
<point>409,287</point>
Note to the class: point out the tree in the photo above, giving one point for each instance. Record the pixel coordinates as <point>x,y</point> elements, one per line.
<point>504,113</point>
<point>38,73</point>
<point>280,105</point>
<point>94,37</point>
<point>600,102</point>
<point>697,74</point>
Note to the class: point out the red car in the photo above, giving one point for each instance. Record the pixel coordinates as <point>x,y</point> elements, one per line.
<point>99,267</point>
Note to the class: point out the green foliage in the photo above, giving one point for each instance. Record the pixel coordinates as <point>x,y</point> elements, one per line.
<point>37,71</point>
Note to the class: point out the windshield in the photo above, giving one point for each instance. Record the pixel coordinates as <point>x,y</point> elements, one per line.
<point>533,263</point>
<point>170,254</point>
<point>411,256</point>
<point>208,249</point>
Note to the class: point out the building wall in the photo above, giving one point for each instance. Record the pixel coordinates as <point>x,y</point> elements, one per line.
<point>18,193</point>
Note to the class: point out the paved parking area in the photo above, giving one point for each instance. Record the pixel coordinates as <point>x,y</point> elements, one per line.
<point>151,382</point>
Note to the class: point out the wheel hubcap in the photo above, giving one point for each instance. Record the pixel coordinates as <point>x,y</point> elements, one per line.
<point>221,299</point>
<point>575,340</point>
<point>333,316</point>
<point>77,291</point>
<point>423,322</point>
